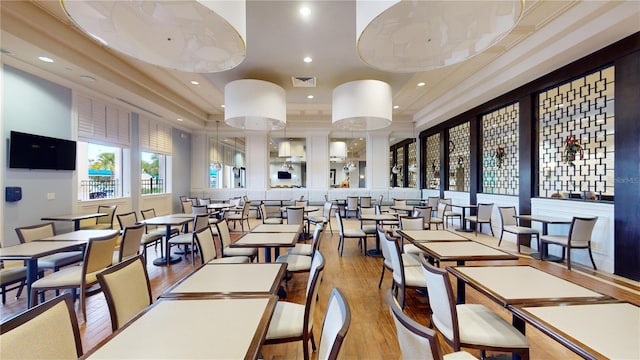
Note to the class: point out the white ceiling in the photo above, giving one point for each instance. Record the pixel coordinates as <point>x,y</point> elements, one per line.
<point>550,34</point>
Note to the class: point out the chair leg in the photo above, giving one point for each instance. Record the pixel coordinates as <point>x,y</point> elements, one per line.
<point>341,245</point>
<point>500,241</point>
<point>401,294</point>
<point>568,257</point>
<point>491,228</point>
<point>313,342</point>
<point>591,257</point>
<point>381,276</point>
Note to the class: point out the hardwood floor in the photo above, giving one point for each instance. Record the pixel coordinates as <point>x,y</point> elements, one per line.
<point>372,332</point>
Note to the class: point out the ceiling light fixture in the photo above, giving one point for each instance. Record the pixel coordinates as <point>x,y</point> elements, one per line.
<point>362,105</point>
<point>307,59</point>
<point>45,59</point>
<point>255,105</point>
<point>396,106</point>
<point>190,36</point>
<point>305,11</point>
<point>193,82</point>
<point>309,97</point>
<point>415,36</point>
<point>180,119</point>
<point>421,84</point>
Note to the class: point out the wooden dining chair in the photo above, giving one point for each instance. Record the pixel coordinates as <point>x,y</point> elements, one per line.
<point>208,253</point>
<point>415,340</point>
<point>54,261</point>
<point>298,261</point>
<point>187,240</point>
<point>148,238</point>
<point>337,320</point>
<point>579,237</point>
<point>126,289</point>
<point>407,259</point>
<point>294,322</point>
<point>47,331</point>
<point>97,257</point>
<point>510,225</point>
<point>483,217</point>
<point>266,219</point>
<point>411,223</point>
<point>16,275</point>
<point>130,243</point>
<point>225,241</point>
<point>404,276</point>
<point>104,222</point>
<point>469,325</point>
<point>350,234</point>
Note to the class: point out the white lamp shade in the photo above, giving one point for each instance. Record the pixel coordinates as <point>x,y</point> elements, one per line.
<point>415,36</point>
<point>190,36</point>
<point>337,149</point>
<point>255,105</point>
<point>284,149</point>
<point>362,104</point>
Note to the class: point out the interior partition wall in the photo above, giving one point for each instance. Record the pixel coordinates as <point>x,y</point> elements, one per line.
<point>539,145</point>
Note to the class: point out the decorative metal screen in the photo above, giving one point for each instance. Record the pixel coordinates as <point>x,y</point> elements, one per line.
<point>432,155</point>
<point>459,157</point>
<point>576,138</point>
<point>412,154</point>
<point>500,141</point>
<point>400,163</point>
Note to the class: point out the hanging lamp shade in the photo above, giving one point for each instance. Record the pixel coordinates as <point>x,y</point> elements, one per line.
<point>255,105</point>
<point>416,36</point>
<point>362,105</point>
<point>190,36</point>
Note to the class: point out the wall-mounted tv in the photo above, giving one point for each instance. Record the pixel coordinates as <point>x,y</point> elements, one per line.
<point>29,151</point>
<point>284,175</point>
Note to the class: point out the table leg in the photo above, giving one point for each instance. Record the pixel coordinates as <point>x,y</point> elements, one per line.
<point>32,276</point>
<point>168,259</point>
<point>460,286</point>
<point>542,253</point>
<point>267,254</point>
<point>76,225</point>
<point>463,226</point>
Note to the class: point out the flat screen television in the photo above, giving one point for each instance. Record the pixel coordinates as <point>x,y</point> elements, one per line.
<point>29,151</point>
<point>284,175</point>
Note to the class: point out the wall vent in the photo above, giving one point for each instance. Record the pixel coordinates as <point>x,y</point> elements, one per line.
<point>304,81</point>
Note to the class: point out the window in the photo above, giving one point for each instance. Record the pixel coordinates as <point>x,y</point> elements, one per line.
<point>153,173</point>
<point>100,172</point>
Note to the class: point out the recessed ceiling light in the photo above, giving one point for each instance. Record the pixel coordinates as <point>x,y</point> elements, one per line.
<point>309,96</point>
<point>396,106</point>
<point>361,139</point>
<point>179,119</point>
<point>307,59</point>
<point>222,106</point>
<point>45,59</point>
<point>193,82</point>
<point>421,84</point>
<point>305,11</point>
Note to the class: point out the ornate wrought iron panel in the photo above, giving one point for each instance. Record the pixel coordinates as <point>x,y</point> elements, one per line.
<point>400,164</point>
<point>412,154</point>
<point>576,138</point>
<point>432,155</point>
<point>500,139</point>
<point>459,137</point>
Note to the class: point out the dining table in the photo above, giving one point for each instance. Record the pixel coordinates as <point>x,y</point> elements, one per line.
<point>78,235</point>
<point>212,280</point>
<point>378,218</point>
<point>168,221</point>
<point>545,221</point>
<point>29,252</point>
<point>267,241</point>
<point>231,327</point>
<point>277,228</point>
<point>460,252</point>
<point>75,218</point>
<point>307,210</point>
<point>593,330</point>
<point>408,209</point>
<point>463,223</point>
<point>419,236</point>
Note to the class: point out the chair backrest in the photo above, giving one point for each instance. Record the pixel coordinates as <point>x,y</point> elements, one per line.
<point>35,232</point>
<point>382,240</point>
<point>399,202</point>
<point>263,212</point>
<point>581,228</point>
<point>326,210</point>
<point>194,201</point>
<point>295,215</point>
<point>484,212</point>
<point>394,254</point>
<point>365,201</point>
<point>200,221</point>
<point>148,214</point>
<point>223,233</point>
<point>199,209</point>
<point>300,203</point>
<point>442,207</point>
<point>423,212</point>
<point>337,320</point>
<point>206,244</point>
<point>245,198</point>
<point>235,202</point>
<point>442,302</point>
<point>317,237</point>
<point>380,199</point>
<point>339,221</point>
<point>127,290</point>
<point>415,340</point>
<point>127,219</point>
<point>411,223</point>
<point>432,201</point>
<point>352,203</point>
<point>445,201</point>
<point>182,198</point>
<point>367,211</point>
<point>187,207</point>
<point>46,331</point>
<point>204,201</point>
<point>110,210</point>
<point>131,240</point>
<point>245,209</point>
<point>99,253</point>
<point>507,214</point>
<point>313,285</point>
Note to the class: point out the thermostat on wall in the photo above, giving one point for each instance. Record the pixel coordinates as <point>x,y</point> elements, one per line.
<point>13,193</point>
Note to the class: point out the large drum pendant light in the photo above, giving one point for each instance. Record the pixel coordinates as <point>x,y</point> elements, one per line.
<point>185,35</point>
<point>415,36</point>
<point>255,105</point>
<point>362,105</point>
